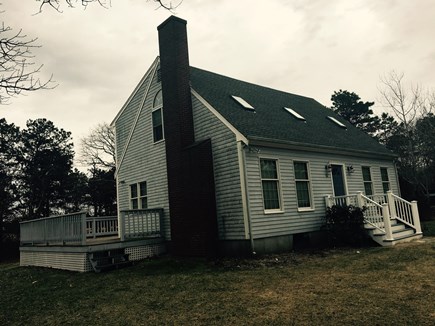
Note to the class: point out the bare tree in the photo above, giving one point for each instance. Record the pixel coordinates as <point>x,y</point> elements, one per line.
<point>410,105</point>
<point>58,4</point>
<point>98,148</point>
<point>17,70</point>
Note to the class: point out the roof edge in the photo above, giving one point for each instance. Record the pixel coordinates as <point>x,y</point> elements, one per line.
<point>282,144</point>
<point>150,69</point>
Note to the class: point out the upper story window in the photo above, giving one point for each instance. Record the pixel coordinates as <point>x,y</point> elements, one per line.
<point>138,195</point>
<point>270,184</point>
<point>367,178</point>
<point>157,117</point>
<point>303,184</point>
<point>385,180</point>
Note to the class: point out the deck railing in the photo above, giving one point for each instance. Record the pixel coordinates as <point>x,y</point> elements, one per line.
<point>139,223</point>
<point>99,226</point>
<point>63,229</point>
<point>74,229</point>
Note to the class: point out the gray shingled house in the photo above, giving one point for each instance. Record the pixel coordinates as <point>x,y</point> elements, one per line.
<point>239,167</point>
<point>209,164</point>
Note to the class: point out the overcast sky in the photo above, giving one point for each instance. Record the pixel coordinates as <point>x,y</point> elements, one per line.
<point>306,47</point>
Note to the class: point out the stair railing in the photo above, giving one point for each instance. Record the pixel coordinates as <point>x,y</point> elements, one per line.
<point>404,211</point>
<point>376,214</point>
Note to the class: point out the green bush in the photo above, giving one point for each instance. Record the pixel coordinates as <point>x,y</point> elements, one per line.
<point>345,226</point>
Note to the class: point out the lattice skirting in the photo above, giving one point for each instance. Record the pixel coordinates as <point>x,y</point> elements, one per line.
<point>147,251</point>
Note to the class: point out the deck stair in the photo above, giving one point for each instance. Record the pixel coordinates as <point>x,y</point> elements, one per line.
<point>109,259</point>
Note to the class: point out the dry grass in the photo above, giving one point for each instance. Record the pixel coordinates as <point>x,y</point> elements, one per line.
<point>371,286</point>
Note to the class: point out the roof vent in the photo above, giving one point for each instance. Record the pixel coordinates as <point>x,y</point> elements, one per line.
<point>294,113</point>
<point>243,103</point>
<point>338,123</point>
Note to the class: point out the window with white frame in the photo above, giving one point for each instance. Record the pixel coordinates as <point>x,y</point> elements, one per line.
<point>270,184</point>
<point>138,195</point>
<point>385,180</point>
<point>367,178</point>
<point>157,117</point>
<point>303,184</point>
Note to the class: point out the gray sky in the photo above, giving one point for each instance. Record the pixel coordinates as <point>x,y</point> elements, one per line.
<point>306,47</point>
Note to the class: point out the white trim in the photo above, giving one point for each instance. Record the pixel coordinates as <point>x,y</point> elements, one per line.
<point>239,135</point>
<point>118,168</point>
<point>371,179</point>
<point>156,60</point>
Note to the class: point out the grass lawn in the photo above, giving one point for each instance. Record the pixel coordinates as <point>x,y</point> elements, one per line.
<point>368,286</point>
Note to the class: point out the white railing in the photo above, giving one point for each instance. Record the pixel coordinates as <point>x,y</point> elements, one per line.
<point>63,229</point>
<point>138,223</point>
<point>99,226</point>
<point>404,211</point>
<point>379,209</point>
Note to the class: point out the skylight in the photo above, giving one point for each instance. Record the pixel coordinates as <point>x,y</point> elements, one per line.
<point>338,123</point>
<point>294,113</point>
<point>243,103</point>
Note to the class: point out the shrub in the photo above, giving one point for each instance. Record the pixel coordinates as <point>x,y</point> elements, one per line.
<point>345,225</point>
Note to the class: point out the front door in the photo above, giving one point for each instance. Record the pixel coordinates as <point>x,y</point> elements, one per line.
<point>338,180</point>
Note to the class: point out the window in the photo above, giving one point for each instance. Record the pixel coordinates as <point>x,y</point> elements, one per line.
<point>138,196</point>
<point>270,184</point>
<point>338,123</point>
<point>367,178</point>
<point>303,188</point>
<point>157,117</point>
<point>385,180</point>
<point>243,103</point>
<point>294,113</point>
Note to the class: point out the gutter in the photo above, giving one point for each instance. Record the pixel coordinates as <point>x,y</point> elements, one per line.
<point>248,215</point>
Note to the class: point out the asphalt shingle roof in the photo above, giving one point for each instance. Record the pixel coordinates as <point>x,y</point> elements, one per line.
<point>271,121</point>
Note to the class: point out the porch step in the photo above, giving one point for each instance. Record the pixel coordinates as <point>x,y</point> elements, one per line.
<point>400,233</point>
<point>109,259</point>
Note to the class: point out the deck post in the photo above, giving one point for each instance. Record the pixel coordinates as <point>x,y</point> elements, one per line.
<point>387,222</point>
<point>415,216</point>
<point>328,201</point>
<point>94,230</point>
<point>83,228</point>
<point>391,204</point>
<point>359,199</point>
<point>121,226</point>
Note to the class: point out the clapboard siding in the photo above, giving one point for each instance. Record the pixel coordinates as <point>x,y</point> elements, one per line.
<point>290,220</point>
<point>226,170</point>
<point>144,160</point>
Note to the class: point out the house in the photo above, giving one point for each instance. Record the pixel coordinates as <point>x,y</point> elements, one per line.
<point>207,164</point>
<point>238,167</point>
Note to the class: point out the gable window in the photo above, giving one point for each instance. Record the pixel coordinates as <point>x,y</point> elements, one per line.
<point>385,180</point>
<point>303,184</point>
<point>157,117</point>
<point>270,184</point>
<point>138,195</point>
<point>367,178</point>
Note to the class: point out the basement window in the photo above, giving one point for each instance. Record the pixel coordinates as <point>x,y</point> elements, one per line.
<point>338,123</point>
<point>294,113</point>
<point>243,103</point>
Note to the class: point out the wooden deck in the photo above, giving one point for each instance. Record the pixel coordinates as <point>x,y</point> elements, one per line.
<point>67,242</point>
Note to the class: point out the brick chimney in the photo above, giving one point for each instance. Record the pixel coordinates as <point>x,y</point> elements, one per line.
<point>191,187</point>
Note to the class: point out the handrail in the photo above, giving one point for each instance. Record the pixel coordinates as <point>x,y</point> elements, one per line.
<point>405,211</point>
<point>52,217</point>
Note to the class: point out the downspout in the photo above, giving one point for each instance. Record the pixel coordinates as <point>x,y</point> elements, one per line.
<point>248,215</point>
